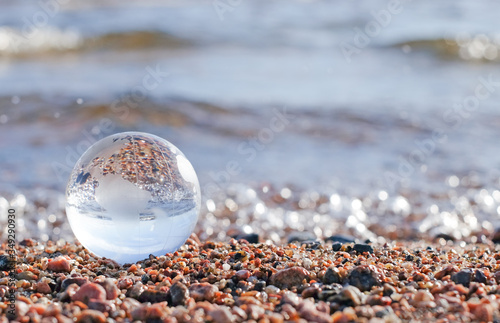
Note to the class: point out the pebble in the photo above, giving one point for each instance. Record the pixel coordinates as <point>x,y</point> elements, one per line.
<point>290,277</point>
<point>88,292</point>
<point>178,294</point>
<point>5,264</point>
<point>28,275</point>
<point>243,274</point>
<point>68,293</point>
<point>91,316</point>
<point>484,313</point>
<point>73,280</point>
<point>153,296</point>
<point>59,264</point>
<point>203,292</point>
<point>43,288</point>
<point>136,290</point>
<point>463,277</point>
<point>312,291</point>
<point>249,237</point>
<point>222,314</point>
<point>423,296</point>
<point>336,246</point>
<point>365,277</point>
<point>349,296</point>
<point>309,311</point>
<point>272,290</point>
<point>21,309</point>
<point>110,287</point>
<point>480,277</point>
<point>361,247</point>
<point>290,298</point>
<point>332,276</point>
<point>99,306</point>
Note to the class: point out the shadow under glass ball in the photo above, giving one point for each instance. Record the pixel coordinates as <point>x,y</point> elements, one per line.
<point>132,194</point>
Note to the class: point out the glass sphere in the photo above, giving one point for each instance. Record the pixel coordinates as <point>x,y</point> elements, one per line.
<point>132,194</point>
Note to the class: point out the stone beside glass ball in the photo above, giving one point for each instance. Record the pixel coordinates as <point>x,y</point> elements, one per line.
<point>132,194</point>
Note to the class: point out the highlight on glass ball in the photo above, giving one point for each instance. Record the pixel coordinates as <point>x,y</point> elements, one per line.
<point>132,194</point>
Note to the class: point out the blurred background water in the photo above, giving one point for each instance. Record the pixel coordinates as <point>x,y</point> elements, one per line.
<point>345,112</point>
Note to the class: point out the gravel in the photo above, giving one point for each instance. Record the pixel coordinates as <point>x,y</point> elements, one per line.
<point>263,282</point>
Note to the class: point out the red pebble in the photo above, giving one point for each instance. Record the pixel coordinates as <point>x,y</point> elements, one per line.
<point>243,274</point>
<point>91,316</point>
<point>43,288</point>
<point>90,291</point>
<point>59,264</point>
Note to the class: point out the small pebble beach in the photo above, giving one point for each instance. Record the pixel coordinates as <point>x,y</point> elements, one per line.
<point>346,156</point>
<point>239,281</point>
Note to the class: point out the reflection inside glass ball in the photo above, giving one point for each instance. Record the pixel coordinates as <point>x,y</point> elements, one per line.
<point>131,195</point>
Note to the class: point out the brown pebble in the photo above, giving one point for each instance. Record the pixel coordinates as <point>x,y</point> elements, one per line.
<point>68,293</point>
<point>110,287</point>
<point>21,309</point>
<point>484,313</point>
<point>139,313</point>
<point>290,277</point>
<point>59,264</point>
<point>312,291</point>
<point>222,314</point>
<point>91,316</point>
<point>99,306</point>
<point>43,288</point>
<point>308,311</point>
<point>203,292</point>
<point>423,296</point>
<point>290,298</point>
<point>90,291</point>
<point>243,274</point>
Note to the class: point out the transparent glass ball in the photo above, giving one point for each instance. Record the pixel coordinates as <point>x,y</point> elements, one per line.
<point>132,194</point>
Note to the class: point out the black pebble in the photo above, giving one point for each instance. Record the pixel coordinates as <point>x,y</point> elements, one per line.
<point>5,264</point>
<point>463,277</point>
<point>260,285</point>
<point>332,276</point>
<point>251,237</point>
<point>145,278</point>
<point>153,296</point>
<point>363,278</point>
<point>311,244</point>
<point>480,277</point>
<point>178,294</point>
<point>336,246</point>
<point>359,247</point>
